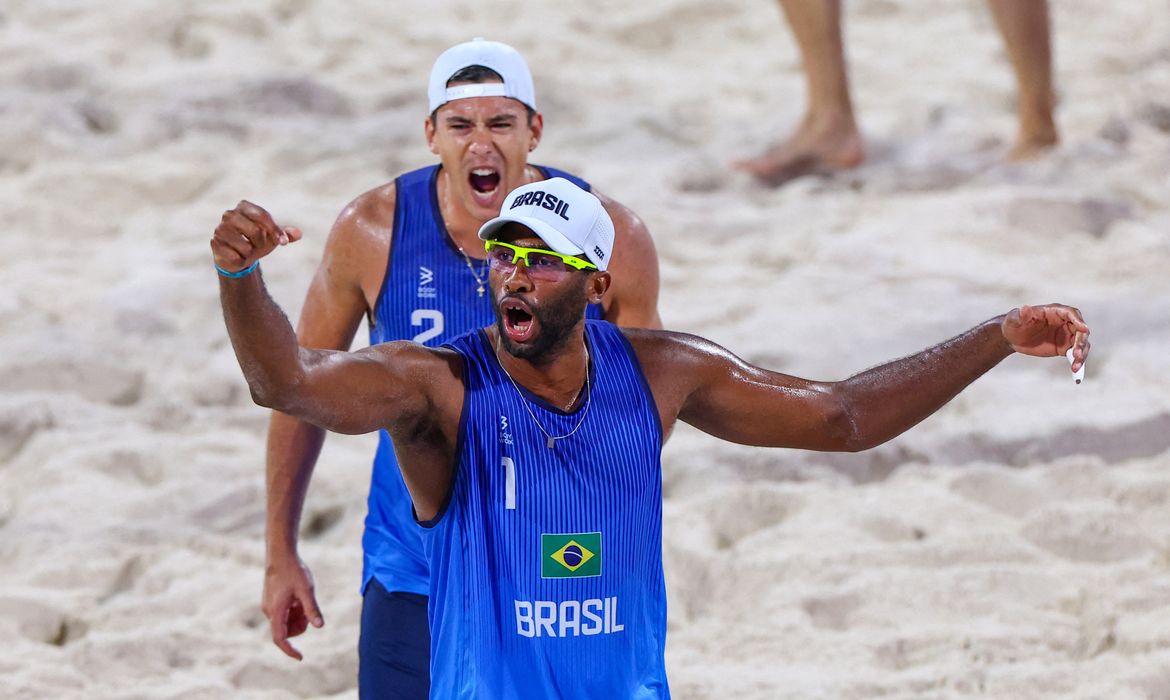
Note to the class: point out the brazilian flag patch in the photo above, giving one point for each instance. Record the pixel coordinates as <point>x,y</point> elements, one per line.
<point>576,555</point>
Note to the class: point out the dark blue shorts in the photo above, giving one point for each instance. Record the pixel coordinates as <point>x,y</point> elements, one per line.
<point>394,649</point>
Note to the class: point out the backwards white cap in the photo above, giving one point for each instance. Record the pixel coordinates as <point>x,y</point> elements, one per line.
<point>567,218</point>
<point>501,58</point>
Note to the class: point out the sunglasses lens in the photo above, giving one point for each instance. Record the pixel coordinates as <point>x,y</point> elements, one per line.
<point>542,263</point>
<point>538,264</point>
<point>501,256</point>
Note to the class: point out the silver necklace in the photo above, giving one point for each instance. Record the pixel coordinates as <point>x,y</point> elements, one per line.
<point>480,281</point>
<point>551,440</point>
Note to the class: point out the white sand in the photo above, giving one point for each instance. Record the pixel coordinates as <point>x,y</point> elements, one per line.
<point>1017,545</point>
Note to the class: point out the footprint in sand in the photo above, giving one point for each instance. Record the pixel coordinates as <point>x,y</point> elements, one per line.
<point>831,612</point>
<point>131,571</point>
<point>93,378</point>
<point>320,521</point>
<point>327,676</point>
<point>1002,490</point>
<point>136,464</point>
<point>1088,534</point>
<point>1154,683</point>
<point>680,22</point>
<point>41,622</point>
<point>1057,216</point>
<point>741,513</point>
<point>18,424</point>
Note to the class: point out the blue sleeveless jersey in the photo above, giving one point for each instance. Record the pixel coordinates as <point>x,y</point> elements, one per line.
<point>546,564</point>
<point>429,296</point>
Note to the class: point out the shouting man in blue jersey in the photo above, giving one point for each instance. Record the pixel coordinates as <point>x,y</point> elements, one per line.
<point>406,256</point>
<point>531,447</point>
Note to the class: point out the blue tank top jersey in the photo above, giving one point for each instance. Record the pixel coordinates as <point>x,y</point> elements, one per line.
<point>430,296</point>
<point>546,564</point>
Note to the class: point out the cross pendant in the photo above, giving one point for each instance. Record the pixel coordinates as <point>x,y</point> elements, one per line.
<point>480,290</point>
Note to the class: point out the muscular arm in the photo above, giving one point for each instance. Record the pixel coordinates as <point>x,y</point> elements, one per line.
<point>708,387</point>
<point>632,300</point>
<point>409,386</point>
<point>351,266</point>
<point>344,392</point>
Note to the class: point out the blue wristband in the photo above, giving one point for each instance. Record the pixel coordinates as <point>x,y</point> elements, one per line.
<point>239,273</point>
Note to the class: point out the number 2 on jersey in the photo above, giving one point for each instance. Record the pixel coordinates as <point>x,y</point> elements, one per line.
<point>419,317</point>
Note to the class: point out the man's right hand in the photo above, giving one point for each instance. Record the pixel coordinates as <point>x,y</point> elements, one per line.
<point>246,234</point>
<point>289,603</point>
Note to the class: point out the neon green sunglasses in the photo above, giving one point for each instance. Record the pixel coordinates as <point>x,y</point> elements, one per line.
<point>540,262</point>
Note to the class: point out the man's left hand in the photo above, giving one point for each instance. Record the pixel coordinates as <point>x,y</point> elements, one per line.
<point>1048,331</point>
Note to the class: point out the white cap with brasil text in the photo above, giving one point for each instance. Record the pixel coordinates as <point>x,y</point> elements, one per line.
<point>568,219</point>
<point>501,58</point>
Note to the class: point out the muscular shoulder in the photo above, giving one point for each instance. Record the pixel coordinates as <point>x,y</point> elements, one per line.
<point>436,372</point>
<point>633,297</point>
<point>675,366</point>
<point>418,363</point>
<point>359,242</point>
<point>674,354</point>
<point>368,218</point>
<point>629,230</point>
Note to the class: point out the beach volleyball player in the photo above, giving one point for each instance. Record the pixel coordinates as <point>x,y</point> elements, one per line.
<point>406,256</point>
<point>531,447</point>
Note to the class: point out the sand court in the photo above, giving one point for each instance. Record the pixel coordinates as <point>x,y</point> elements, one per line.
<point>1015,545</point>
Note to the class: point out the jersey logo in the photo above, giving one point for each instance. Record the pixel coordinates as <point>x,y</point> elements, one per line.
<point>573,555</point>
<point>505,433</point>
<point>426,282</point>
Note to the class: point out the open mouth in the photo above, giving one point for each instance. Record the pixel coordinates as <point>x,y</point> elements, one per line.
<point>485,182</point>
<point>519,323</point>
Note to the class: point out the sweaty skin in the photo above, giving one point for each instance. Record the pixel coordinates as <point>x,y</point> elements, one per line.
<point>467,135</point>
<point>417,392</point>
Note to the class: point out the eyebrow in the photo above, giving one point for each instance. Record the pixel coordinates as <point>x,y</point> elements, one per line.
<point>494,119</point>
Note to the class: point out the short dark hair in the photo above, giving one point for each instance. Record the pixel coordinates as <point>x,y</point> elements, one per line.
<point>479,74</point>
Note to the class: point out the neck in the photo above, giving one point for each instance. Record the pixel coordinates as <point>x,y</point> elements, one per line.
<point>558,378</point>
<point>462,226</point>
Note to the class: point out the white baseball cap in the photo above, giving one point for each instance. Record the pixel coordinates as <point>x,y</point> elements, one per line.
<point>568,219</point>
<point>501,58</point>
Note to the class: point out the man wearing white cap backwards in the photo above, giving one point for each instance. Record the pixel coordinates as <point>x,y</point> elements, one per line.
<point>531,448</point>
<point>405,255</point>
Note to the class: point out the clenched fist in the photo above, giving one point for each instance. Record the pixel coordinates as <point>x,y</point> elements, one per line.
<point>246,234</point>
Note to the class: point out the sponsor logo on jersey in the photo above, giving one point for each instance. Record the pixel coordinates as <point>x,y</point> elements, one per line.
<point>574,555</point>
<point>426,283</point>
<point>505,432</point>
<point>567,618</point>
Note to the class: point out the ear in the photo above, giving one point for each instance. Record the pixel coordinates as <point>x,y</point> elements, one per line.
<point>598,285</point>
<point>429,130</point>
<point>536,130</point>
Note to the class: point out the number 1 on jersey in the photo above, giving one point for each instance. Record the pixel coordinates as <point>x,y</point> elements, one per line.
<point>509,483</point>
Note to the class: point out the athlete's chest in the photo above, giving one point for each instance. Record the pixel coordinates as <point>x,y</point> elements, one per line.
<point>431,292</point>
<point>527,466</point>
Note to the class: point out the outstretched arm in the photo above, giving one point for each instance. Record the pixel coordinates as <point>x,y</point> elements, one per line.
<point>344,392</point>
<point>735,401</point>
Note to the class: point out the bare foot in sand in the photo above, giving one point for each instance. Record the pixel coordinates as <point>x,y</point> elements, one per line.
<point>818,146</point>
<point>1033,143</point>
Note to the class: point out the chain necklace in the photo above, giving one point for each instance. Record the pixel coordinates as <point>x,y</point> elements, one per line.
<point>551,440</point>
<point>480,277</point>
